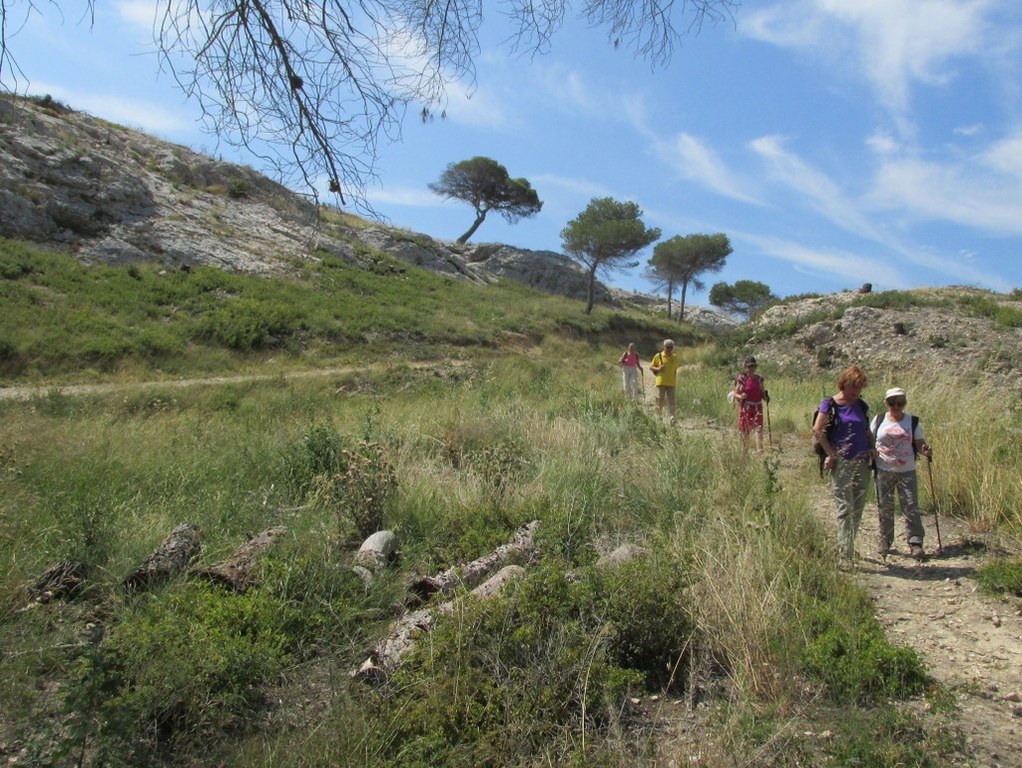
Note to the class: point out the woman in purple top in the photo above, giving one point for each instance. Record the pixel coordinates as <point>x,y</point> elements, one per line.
<point>842,429</point>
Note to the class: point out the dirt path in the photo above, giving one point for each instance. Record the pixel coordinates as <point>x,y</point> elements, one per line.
<point>971,642</point>
<point>30,392</point>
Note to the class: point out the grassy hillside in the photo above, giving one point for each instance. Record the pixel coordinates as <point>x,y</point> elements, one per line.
<point>733,605</point>
<point>65,319</point>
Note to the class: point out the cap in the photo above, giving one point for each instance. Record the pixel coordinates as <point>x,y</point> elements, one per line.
<point>894,392</point>
<point>750,361</point>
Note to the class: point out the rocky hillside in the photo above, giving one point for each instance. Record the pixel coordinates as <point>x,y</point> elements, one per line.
<point>949,332</point>
<point>116,195</point>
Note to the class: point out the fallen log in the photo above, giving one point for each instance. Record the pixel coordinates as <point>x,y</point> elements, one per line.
<point>65,578</point>
<point>171,558</point>
<point>473,573</point>
<point>374,555</point>
<point>406,631</point>
<point>236,572</point>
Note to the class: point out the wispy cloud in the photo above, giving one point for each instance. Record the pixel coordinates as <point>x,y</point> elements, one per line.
<point>477,107</point>
<point>406,196</point>
<point>140,13</point>
<point>571,185</point>
<point>817,189</point>
<point>894,44</point>
<point>827,263</point>
<point>928,191</point>
<point>134,113</point>
<point>695,161</point>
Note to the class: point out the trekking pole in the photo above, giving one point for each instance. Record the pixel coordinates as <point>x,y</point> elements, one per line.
<point>770,433</point>
<point>933,496</point>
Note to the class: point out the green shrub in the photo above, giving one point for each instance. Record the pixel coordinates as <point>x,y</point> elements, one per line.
<point>504,681</point>
<point>174,670</point>
<point>650,625</point>
<point>884,737</point>
<point>360,491</point>
<point>317,452</point>
<point>848,651</point>
<point>247,324</point>
<point>1000,576</point>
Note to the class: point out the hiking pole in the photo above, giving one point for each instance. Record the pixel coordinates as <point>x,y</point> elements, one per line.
<point>933,496</point>
<point>770,433</point>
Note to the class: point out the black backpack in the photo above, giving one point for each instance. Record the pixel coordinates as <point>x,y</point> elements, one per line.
<point>821,454</point>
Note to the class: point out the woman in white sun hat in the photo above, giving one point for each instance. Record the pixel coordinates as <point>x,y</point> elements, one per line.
<point>899,438</point>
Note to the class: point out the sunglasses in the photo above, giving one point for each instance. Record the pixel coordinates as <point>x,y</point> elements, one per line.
<point>897,403</point>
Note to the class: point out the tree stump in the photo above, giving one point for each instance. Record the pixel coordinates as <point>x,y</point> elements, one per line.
<point>171,558</point>
<point>236,572</point>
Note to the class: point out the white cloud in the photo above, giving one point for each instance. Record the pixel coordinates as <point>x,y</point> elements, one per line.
<point>882,143</point>
<point>696,161</point>
<point>575,186</point>
<point>139,13</point>
<point>922,190</point>
<point>952,193</point>
<point>832,264</point>
<point>819,192</point>
<point>134,113</point>
<point>406,196</point>
<point>478,107</point>
<point>1006,157</point>
<point>970,130</point>
<point>893,44</point>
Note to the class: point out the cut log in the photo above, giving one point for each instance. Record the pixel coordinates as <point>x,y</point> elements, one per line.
<point>470,574</point>
<point>403,635</point>
<point>171,558</point>
<point>620,556</point>
<point>236,572</point>
<point>377,551</point>
<point>65,578</point>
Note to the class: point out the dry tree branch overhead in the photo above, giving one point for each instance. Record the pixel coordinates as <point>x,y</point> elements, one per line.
<point>310,87</point>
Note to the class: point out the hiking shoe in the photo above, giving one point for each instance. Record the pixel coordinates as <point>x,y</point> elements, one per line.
<point>915,551</point>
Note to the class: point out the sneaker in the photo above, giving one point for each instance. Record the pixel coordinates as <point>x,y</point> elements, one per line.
<point>915,551</point>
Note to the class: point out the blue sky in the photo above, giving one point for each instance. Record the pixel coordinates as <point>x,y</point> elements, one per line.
<point>836,142</point>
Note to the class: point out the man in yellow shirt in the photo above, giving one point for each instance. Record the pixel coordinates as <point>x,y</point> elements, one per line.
<point>665,366</point>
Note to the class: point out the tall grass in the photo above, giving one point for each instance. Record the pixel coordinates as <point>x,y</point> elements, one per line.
<point>736,585</point>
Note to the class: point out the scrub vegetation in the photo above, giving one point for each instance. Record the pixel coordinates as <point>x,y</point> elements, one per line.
<point>733,612</point>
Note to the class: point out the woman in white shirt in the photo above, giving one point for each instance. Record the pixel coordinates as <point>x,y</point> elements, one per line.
<point>899,437</point>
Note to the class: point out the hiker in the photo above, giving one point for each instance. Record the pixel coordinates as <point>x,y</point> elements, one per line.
<point>630,370</point>
<point>842,430</point>
<point>750,394</point>
<point>898,439</point>
<point>665,366</point>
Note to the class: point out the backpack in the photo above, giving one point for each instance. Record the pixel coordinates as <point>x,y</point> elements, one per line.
<point>878,420</point>
<point>821,454</point>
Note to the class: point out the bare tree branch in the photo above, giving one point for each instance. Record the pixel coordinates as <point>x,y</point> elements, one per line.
<point>310,87</point>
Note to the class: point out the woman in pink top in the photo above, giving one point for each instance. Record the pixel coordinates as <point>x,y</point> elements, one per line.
<point>630,369</point>
<point>750,394</point>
